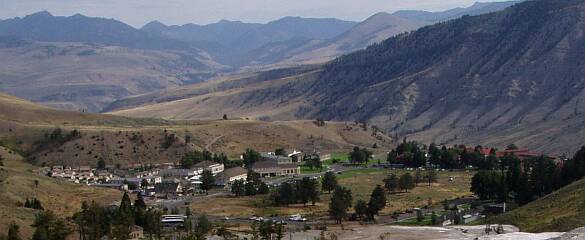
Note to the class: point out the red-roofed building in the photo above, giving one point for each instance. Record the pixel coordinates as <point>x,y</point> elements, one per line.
<point>519,153</point>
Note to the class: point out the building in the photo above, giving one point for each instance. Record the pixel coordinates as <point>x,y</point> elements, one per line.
<point>519,153</point>
<point>270,156</point>
<point>213,167</point>
<point>273,169</point>
<point>168,189</point>
<point>136,233</point>
<point>230,175</point>
<point>180,173</point>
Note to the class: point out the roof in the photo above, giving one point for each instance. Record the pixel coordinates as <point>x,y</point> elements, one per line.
<point>233,172</point>
<point>205,164</point>
<point>166,187</point>
<point>273,164</point>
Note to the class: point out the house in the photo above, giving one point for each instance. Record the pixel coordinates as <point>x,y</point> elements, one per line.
<point>296,156</point>
<point>270,156</point>
<point>180,173</point>
<point>214,167</point>
<point>273,169</point>
<point>168,189</point>
<point>520,153</point>
<point>230,175</point>
<point>136,232</point>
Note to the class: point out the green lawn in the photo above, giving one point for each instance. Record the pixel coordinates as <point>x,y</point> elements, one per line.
<point>426,221</point>
<point>308,170</point>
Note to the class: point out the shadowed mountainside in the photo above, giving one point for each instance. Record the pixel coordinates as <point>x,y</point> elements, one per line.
<point>510,76</point>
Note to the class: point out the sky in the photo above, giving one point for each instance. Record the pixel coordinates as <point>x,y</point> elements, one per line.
<point>177,12</point>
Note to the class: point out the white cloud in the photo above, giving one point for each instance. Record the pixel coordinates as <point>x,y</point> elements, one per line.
<point>138,12</point>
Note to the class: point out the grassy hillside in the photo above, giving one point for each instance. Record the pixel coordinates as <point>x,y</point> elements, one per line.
<point>26,127</point>
<point>563,210</point>
<point>17,182</point>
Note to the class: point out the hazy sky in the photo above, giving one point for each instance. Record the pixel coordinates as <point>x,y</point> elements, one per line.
<point>139,12</point>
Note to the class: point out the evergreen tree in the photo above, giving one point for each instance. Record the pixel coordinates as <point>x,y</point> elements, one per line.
<point>280,152</point>
<point>250,157</point>
<point>203,227</point>
<point>139,211</point>
<point>377,201</point>
<point>49,227</point>
<point>391,183</point>
<point>239,188</point>
<point>340,202</point>
<point>13,232</point>
<point>361,208</point>
<point>101,164</point>
<point>329,182</point>
<point>406,182</point>
<point>309,188</point>
<point>207,179</point>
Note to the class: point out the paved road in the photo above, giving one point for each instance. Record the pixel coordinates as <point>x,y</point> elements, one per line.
<point>333,168</point>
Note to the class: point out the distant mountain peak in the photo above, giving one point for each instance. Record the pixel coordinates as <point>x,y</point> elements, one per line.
<point>41,14</point>
<point>154,24</point>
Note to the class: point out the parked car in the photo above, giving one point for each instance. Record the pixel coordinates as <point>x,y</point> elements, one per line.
<point>297,218</point>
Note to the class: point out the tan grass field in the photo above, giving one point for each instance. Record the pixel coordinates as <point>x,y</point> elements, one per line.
<point>361,186</point>
<point>18,183</point>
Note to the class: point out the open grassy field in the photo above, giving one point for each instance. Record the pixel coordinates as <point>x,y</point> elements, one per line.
<point>361,182</point>
<point>559,211</point>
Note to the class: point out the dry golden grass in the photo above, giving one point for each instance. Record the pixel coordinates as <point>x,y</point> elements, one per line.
<point>559,211</point>
<point>18,183</point>
<point>361,184</point>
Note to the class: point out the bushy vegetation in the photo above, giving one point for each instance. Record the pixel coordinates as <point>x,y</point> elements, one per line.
<point>527,180</point>
<point>303,191</point>
<point>251,187</point>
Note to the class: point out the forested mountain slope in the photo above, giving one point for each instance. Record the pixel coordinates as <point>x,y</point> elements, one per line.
<point>510,76</point>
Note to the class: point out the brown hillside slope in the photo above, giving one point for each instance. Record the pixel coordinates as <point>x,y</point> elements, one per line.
<point>17,182</point>
<point>510,76</point>
<point>560,211</point>
<point>121,140</point>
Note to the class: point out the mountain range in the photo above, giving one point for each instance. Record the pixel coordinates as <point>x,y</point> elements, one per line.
<point>86,63</point>
<point>509,76</point>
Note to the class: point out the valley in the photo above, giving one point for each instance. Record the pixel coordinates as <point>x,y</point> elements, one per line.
<point>441,122</point>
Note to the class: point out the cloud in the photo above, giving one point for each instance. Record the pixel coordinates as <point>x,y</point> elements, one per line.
<point>139,12</point>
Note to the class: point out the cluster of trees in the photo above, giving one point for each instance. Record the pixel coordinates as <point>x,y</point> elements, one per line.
<point>55,138</point>
<point>203,227</point>
<point>33,203</point>
<point>13,233</point>
<point>50,227</point>
<point>414,154</point>
<point>359,155</point>
<point>404,183</point>
<point>407,153</point>
<point>250,157</point>
<point>527,180</point>
<point>280,152</point>
<point>313,161</point>
<point>194,157</point>
<point>268,230</point>
<point>367,211</point>
<point>341,201</point>
<point>95,221</point>
<point>252,186</point>
<point>303,191</point>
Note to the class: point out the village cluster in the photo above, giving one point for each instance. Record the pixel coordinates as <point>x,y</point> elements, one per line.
<point>170,180</point>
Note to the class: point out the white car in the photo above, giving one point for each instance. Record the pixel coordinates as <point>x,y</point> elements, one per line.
<point>297,218</point>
